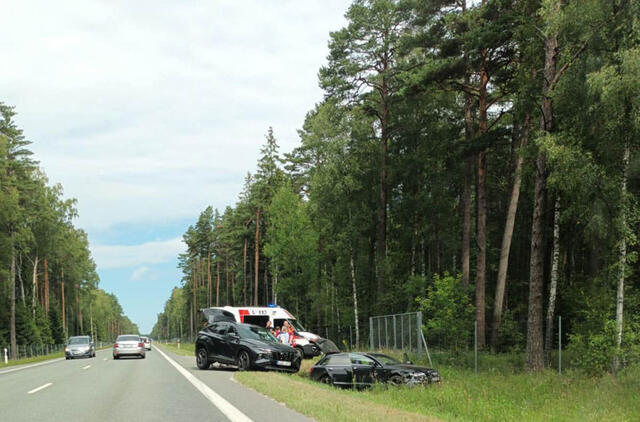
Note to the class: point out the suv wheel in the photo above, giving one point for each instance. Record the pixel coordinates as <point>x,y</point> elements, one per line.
<point>201,359</point>
<point>244,361</point>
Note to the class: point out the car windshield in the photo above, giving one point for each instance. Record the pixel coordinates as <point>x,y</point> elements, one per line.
<point>385,360</point>
<point>128,338</point>
<point>256,333</point>
<point>78,340</point>
<point>296,325</point>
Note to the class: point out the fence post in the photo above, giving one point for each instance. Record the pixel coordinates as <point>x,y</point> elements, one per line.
<point>475,344</point>
<point>559,345</point>
<point>371,333</point>
<point>395,344</point>
<point>419,332</point>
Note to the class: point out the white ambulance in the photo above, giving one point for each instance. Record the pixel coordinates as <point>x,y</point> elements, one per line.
<point>304,341</point>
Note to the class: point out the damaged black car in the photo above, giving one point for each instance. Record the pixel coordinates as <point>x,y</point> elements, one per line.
<point>245,346</point>
<point>364,369</point>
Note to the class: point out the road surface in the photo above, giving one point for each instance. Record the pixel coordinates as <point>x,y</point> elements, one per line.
<point>162,387</point>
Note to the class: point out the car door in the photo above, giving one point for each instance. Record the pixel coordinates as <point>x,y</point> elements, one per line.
<point>232,343</point>
<point>363,369</point>
<point>217,340</point>
<point>339,367</point>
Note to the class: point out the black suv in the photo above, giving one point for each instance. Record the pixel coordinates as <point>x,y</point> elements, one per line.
<point>247,346</point>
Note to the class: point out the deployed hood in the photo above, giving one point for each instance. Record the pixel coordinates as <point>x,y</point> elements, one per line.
<point>327,346</point>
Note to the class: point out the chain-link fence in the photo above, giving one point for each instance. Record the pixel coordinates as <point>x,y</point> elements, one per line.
<point>398,332</point>
<point>24,351</point>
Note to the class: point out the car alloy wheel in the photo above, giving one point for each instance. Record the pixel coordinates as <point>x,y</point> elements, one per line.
<point>326,379</point>
<point>300,352</point>
<point>201,358</point>
<point>243,361</point>
<point>396,380</point>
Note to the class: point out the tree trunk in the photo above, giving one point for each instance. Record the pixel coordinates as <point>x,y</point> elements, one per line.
<point>19,273</point>
<point>555,259</point>
<point>45,264</point>
<point>466,224</point>
<point>218,283</point>
<point>12,303</point>
<point>508,235</point>
<point>256,272</point>
<point>535,350</point>
<point>481,203</point>
<point>244,273</point>
<point>382,211</point>
<point>355,300</point>
<point>34,292</point>
<point>623,259</point>
<point>266,282</point>
<point>226,279</point>
<point>64,312</point>
<point>194,299</point>
<point>209,287</point>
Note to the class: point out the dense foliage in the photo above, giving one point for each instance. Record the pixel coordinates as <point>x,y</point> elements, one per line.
<point>48,283</point>
<point>497,140</point>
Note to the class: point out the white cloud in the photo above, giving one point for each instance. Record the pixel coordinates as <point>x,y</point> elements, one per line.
<point>147,111</point>
<point>125,256</point>
<point>143,273</point>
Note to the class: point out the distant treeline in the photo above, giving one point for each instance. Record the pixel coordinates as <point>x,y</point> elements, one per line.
<point>496,141</point>
<point>48,281</point>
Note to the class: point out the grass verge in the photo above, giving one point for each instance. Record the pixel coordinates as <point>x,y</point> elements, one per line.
<point>185,349</point>
<point>34,359</point>
<point>463,396</point>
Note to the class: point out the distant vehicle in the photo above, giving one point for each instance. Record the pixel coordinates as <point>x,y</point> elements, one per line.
<point>364,369</point>
<point>80,346</point>
<point>147,342</point>
<point>244,345</point>
<point>128,345</point>
<point>304,341</point>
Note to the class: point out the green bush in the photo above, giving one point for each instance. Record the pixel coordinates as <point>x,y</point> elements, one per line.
<point>448,312</point>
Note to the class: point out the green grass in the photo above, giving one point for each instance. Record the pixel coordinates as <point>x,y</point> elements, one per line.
<point>501,394</point>
<point>186,349</point>
<point>34,359</point>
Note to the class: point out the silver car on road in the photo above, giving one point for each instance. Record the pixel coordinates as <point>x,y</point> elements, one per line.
<point>79,346</point>
<point>128,345</point>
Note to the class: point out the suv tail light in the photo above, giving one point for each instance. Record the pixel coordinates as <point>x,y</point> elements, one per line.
<point>140,344</point>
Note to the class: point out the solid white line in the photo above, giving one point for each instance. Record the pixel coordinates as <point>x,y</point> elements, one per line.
<point>31,366</point>
<point>42,387</point>
<point>87,367</point>
<point>224,406</point>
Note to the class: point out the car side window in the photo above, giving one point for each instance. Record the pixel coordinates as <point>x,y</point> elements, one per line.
<point>338,360</point>
<point>232,330</point>
<point>357,359</point>
<point>219,329</point>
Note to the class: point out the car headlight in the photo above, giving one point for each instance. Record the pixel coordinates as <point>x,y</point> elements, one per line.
<point>263,353</point>
<point>66,349</point>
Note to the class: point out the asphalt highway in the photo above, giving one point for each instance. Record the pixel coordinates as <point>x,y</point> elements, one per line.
<point>162,387</point>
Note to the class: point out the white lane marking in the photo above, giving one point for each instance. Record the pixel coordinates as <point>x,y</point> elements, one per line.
<point>87,367</point>
<point>31,366</point>
<point>42,387</point>
<point>104,359</point>
<point>224,406</point>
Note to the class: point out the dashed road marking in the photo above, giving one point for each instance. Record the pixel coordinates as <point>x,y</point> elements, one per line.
<point>42,387</point>
<point>87,367</point>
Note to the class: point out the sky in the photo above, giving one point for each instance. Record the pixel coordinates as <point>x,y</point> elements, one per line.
<point>148,111</point>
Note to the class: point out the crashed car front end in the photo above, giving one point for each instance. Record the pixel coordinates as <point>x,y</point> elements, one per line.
<point>417,378</point>
<point>277,360</point>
